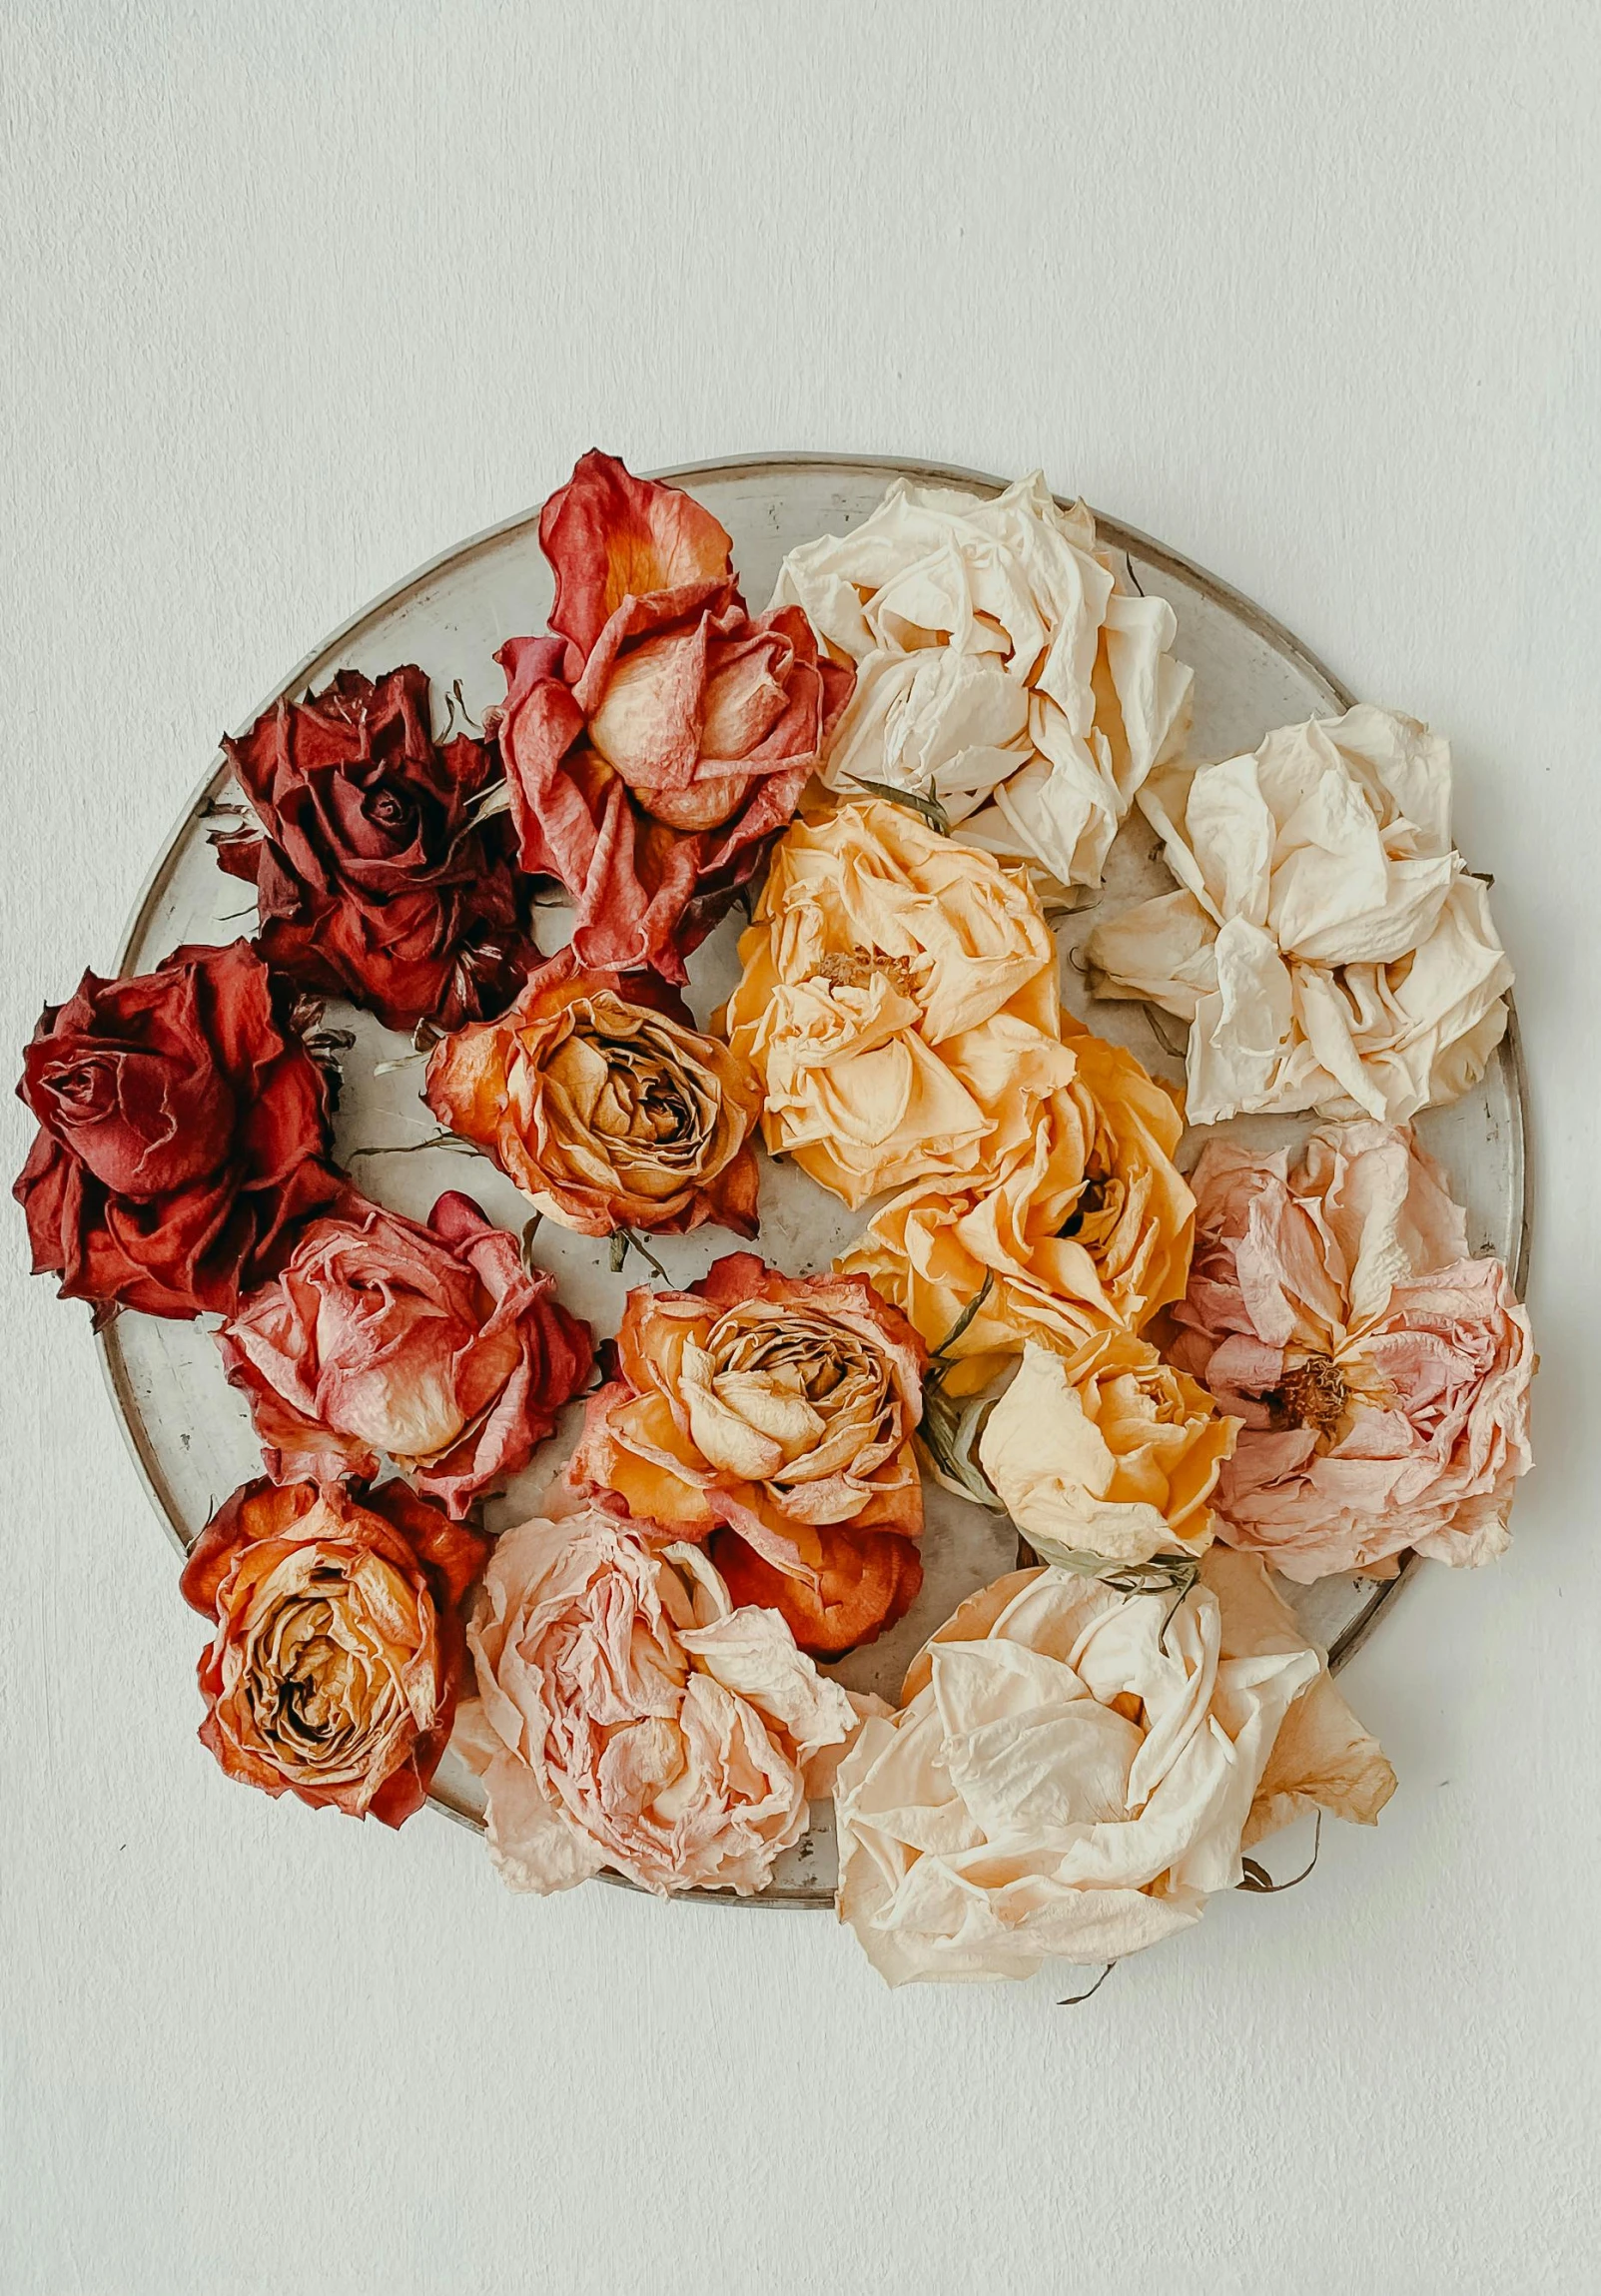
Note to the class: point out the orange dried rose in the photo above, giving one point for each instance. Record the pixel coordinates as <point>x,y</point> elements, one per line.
<point>784,1408</point>
<point>866,1581</point>
<point>598,1096</point>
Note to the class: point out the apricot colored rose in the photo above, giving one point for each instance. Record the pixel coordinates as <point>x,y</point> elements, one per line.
<point>783,1407</point>
<point>899,1003</point>
<point>600,1099</point>
<point>333,1673</point>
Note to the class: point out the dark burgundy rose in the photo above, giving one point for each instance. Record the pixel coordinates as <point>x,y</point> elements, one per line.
<point>373,879</point>
<point>183,1135</point>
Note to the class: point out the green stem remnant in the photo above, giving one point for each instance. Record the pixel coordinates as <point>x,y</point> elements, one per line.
<point>928,809</point>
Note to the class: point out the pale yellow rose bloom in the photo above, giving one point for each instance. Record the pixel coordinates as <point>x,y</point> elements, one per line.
<point>1076,1772</point>
<point>1107,1451</point>
<point>1087,1223</point>
<point>898,1002</point>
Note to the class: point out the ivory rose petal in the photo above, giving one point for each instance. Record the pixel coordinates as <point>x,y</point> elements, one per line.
<point>598,1096</point>
<point>631,1716</point>
<point>1074,1772</point>
<point>783,1408</point>
<point>1381,1375</point>
<point>899,1000</point>
<point>1004,667</point>
<point>1328,949</point>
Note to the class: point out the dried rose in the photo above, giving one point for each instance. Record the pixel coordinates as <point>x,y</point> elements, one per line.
<point>1382,1375</point>
<point>599,1098</point>
<point>864,1583</point>
<point>1075,1772</point>
<point>657,743</point>
<point>333,1671</point>
<point>631,1716</point>
<point>1085,1226</point>
<point>374,878</point>
<point>784,1407</point>
<point>434,1344</point>
<point>184,1134</point>
<point>1108,1451</point>
<point>898,1002</point>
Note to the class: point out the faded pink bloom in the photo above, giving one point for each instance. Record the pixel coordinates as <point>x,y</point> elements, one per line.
<point>1382,1375</point>
<point>631,1716</point>
<point>433,1345</point>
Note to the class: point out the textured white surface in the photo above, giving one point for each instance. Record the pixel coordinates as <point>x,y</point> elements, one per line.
<point>297,295</point>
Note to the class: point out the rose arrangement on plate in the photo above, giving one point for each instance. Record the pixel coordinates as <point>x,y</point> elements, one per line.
<point>1168,1369</point>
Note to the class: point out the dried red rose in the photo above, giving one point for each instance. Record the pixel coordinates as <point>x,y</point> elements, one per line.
<point>373,879</point>
<point>663,736</point>
<point>334,1672</point>
<point>433,1345</point>
<point>184,1134</point>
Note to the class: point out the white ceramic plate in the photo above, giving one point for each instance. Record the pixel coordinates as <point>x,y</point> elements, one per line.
<point>190,1431</point>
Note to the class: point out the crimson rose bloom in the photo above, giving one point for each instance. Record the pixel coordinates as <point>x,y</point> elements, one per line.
<point>373,879</point>
<point>663,736</point>
<point>184,1132</point>
<point>338,1646</point>
<point>434,1344</point>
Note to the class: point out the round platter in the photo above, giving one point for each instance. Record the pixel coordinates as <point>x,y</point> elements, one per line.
<point>190,1432</point>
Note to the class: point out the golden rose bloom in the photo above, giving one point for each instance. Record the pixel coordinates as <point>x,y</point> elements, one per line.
<point>599,1098</point>
<point>784,1408</point>
<point>1109,1451</point>
<point>899,1000</point>
<point>1087,1225</point>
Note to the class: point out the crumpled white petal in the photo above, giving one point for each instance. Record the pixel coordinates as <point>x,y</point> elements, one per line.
<point>1072,1779</point>
<point>1002,667</point>
<point>1328,949</point>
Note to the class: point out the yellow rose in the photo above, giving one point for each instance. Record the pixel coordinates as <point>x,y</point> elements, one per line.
<point>1109,1451</point>
<point>1086,1225</point>
<point>899,1000</point>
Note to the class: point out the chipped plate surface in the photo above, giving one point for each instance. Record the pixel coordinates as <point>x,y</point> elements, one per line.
<point>190,1431</point>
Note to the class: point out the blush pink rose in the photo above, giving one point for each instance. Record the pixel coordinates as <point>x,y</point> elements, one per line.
<point>433,1345</point>
<point>1382,1373</point>
<point>632,1716</point>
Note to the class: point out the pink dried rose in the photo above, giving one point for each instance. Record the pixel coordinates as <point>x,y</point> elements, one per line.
<point>433,1345</point>
<point>1382,1375</point>
<point>662,736</point>
<point>632,1716</point>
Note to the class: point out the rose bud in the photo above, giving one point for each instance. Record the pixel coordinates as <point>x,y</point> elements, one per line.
<point>662,737</point>
<point>184,1132</point>
<point>783,1407</point>
<point>374,876</point>
<point>333,1675</point>
<point>599,1098</point>
<point>434,1344</point>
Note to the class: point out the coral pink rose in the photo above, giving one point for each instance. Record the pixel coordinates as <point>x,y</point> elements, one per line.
<point>1382,1375</point>
<point>434,1344</point>
<point>184,1134</point>
<point>333,1673</point>
<point>663,736</point>
<point>375,877</point>
<point>631,1716</point>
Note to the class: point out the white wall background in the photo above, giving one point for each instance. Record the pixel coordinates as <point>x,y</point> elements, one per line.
<point>297,294</point>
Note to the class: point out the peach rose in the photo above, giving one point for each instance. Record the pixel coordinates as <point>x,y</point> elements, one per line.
<point>600,1099</point>
<point>1381,1374</point>
<point>333,1673</point>
<point>1075,1772</point>
<point>783,1407</point>
<point>898,1002</point>
<point>1108,1452</point>
<point>1086,1225</point>
<point>433,1345</point>
<point>631,1716</point>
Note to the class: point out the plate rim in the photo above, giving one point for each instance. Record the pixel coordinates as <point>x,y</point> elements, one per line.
<point>1129,540</point>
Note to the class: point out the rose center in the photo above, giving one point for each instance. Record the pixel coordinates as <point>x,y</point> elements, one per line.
<point>855,967</point>
<point>1310,1394</point>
